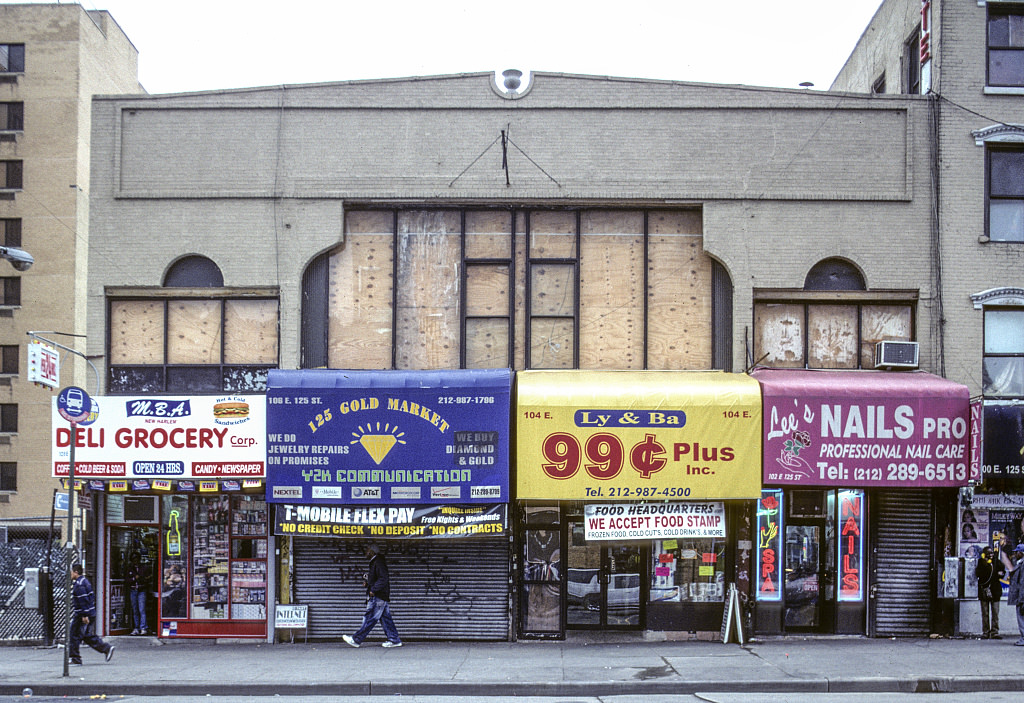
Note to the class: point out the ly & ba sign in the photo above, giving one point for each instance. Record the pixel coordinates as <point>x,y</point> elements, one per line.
<point>155,437</point>
<point>636,435</point>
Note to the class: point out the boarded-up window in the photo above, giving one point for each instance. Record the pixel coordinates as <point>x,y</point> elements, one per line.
<point>360,290</point>
<point>611,289</point>
<point>678,292</point>
<point>883,323</point>
<point>779,335</point>
<point>489,289</point>
<point>832,336</point>
<point>137,332</point>
<point>427,302</point>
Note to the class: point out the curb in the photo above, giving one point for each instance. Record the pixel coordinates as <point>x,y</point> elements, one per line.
<point>951,684</point>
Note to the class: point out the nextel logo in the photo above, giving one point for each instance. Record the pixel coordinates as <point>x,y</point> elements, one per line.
<point>288,492</point>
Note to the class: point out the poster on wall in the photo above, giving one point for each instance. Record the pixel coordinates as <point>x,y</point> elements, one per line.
<point>864,429</point>
<point>637,435</point>
<point>156,437</point>
<point>388,437</point>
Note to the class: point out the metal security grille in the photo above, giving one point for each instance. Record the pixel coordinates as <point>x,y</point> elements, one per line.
<point>440,589</point>
<point>902,602</point>
<point>16,621</point>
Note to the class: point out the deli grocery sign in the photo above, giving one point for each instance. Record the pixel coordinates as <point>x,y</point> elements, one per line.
<point>155,437</point>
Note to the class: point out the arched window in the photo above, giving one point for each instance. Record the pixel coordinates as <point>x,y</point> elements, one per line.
<point>194,272</point>
<point>834,274</point>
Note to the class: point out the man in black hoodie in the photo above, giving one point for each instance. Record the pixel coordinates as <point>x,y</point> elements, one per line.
<point>378,602</point>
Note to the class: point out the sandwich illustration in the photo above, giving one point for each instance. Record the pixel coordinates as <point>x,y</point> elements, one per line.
<point>230,410</point>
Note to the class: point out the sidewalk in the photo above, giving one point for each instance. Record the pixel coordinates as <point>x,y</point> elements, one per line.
<point>581,666</point>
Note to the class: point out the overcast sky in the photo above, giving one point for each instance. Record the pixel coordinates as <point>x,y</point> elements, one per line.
<point>188,45</point>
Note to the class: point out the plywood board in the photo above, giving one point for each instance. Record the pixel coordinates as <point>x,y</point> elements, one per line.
<point>250,332</point>
<point>832,336</point>
<point>882,323</point>
<point>553,234</point>
<point>193,332</point>
<point>611,290</point>
<point>427,318</point>
<point>678,303</point>
<point>487,343</point>
<point>779,335</point>
<point>487,290</point>
<point>360,283</point>
<point>137,332</point>
<point>488,234</point>
<point>551,343</point>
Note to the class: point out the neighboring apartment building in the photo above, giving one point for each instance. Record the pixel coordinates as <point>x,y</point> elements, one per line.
<point>453,222</point>
<point>968,57</point>
<point>53,59</point>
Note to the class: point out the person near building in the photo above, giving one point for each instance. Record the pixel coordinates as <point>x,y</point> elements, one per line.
<point>378,602</point>
<point>137,580</point>
<point>989,571</point>
<point>1015,593</point>
<point>83,618</point>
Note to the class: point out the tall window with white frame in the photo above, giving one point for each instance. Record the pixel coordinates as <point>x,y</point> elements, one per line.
<point>1003,390</point>
<point>1005,194</point>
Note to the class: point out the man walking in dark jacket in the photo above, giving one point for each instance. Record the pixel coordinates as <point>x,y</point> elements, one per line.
<point>83,618</point>
<point>378,602</point>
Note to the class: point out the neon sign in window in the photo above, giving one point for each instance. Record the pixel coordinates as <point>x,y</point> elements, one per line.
<point>851,545</point>
<point>769,546</point>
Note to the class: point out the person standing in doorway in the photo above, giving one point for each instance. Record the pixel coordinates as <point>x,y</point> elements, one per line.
<point>378,602</point>
<point>990,589</point>
<point>83,618</point>
<point>137,579</point>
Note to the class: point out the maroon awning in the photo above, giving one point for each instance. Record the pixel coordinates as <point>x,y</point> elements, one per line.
<point>864,429</point>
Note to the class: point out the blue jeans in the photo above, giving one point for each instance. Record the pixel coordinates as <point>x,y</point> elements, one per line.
<point>377,609</point>
<point>84,632</point>
<point>138,600</point>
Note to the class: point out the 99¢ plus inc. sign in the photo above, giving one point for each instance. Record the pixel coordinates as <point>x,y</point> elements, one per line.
<point>637,435</point>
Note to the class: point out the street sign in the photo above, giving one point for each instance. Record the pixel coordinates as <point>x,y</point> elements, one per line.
<point>74,404</point>
<point>60,501</point>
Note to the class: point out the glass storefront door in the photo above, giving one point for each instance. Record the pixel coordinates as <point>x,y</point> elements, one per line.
<point>803,576</point>
<point>603,582</point>
<point>128,545</point>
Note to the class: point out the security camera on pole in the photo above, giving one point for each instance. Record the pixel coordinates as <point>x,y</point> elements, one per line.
<point>74,405</point>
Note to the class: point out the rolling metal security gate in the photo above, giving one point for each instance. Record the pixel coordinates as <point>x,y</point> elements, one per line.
<point>442,589</point>
<point>902,602</point>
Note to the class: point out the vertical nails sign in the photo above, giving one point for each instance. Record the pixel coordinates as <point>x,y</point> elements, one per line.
<point>851,545</point>
<point>769,546</point>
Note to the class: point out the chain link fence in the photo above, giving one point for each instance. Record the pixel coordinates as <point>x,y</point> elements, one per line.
<point>17,622</point>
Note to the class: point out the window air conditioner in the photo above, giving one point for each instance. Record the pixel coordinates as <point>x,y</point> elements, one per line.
<point>896,355</point>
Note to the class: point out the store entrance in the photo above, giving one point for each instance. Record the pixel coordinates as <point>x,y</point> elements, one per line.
<point>809,563</point>
<point>133,552</point>
<point>604,583</point>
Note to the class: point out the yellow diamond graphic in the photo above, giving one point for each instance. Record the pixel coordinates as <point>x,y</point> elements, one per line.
<point>377,445</point>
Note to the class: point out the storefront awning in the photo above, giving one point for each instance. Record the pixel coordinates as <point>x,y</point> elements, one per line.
<point>637,435</point>
<point>388,437</point>
<point>864,429</point>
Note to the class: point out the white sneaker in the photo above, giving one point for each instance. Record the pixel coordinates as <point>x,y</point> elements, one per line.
<point>389,643</point>
<point>349,641</point>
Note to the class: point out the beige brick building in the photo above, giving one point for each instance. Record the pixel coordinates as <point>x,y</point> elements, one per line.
<point>54,59</point>
<point>968,57</point>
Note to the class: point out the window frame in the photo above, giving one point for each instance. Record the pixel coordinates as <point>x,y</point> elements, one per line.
<point>13,174</point>
<point>10,356</point>
<point>8,418</point>
<point>986,355</point>
<point>1000,10</point>
<point>808,299</point>
<point>10,291</point>
<point>8,477</point>
<point>17,64</point>
<point>125,378</point>
<point>912,63</point>
<point>990,149</point>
